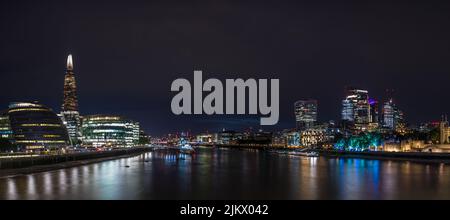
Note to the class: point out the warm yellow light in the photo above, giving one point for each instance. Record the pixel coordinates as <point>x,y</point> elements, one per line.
<point>26,109</point>
<point>40,125</point>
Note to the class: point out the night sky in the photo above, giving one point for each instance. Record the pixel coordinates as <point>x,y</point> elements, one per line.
<point>127,53</point>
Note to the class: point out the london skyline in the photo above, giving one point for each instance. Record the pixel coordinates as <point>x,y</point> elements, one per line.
<point>124,63</point>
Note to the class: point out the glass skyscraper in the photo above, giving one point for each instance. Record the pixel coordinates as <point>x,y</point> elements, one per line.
<point>305,113</point>
<point>373,111</point>
<point>69,111</point>
<point>347,110</point>
<point>392,116</point>
<point>356,108</point>
<point>388,114</point>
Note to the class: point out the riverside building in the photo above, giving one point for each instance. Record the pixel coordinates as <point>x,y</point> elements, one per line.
<point>36,127</point>
<point>5,128</point>
<point>109,131</point>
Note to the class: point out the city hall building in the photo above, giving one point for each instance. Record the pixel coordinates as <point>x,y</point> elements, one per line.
<point>35,127</point>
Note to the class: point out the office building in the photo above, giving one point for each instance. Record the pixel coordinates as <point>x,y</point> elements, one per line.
<point>315,137</point>
<point>374,111</point>
<point>293,139</point>
<point>229,137</point>
<point>393,117</point>
<point>347,110</point>
<point>305,113</point>
<point>356,108</point>
<point>109,131</point>
<point>205,139</point>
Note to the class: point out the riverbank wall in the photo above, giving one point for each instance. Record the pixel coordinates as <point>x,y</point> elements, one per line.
<point>246,146</point>
<point>379,155</point>
<point>23,162</point>
<point>408,156</point>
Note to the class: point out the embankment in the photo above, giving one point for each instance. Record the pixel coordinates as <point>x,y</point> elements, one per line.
<point>24,162</point>
<point>405,156</point>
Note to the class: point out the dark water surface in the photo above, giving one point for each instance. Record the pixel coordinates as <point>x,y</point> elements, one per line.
<point>234,174</point>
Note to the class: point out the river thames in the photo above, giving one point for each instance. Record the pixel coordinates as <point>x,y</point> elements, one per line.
<point>234,174</point>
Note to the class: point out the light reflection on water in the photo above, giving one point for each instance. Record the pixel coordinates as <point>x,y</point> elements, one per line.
<point>234,174</point>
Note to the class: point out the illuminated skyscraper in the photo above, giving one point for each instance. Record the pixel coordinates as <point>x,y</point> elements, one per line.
<point>347,110</point>
<point>69,112</point>
<point>373,111</point>
<point>388,114</point>
<point>70,102</point>
<point>305,113</point>
<point>392,116</point>
<point>356,108</point>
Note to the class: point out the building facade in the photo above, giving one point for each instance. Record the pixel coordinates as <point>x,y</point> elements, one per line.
<point>279,138</point>
<point>69,110</point>
<point>347,110</point>
<point>109,131</point>
<point>388,114</point>
<point>229,137</point>
<point>444,131</point>
<point>293,139</point>
<point>314,137</point>
<point>36,127</point>
<point>374,122</point>
<point>205,139</point>
<point>374,107</point>
<point>5,127</point>
<point>356,108</point>
<point>393,118</point>
<point>305,113</point>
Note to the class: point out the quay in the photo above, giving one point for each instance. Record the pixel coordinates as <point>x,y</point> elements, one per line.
<point>246,146</point>
<point>382,155</point>
<point>376,155</point>
<point>12,162</point>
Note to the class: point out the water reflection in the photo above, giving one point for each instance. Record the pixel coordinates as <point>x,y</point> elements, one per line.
<point>234,174</point>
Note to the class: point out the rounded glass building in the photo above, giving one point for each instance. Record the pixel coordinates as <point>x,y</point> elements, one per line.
<point>36,127</point>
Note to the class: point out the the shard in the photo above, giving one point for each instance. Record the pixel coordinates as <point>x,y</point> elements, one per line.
<point>69,112</point>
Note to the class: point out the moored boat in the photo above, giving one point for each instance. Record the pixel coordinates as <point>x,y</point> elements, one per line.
<point>304,153</point>
<point>185,147</point>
